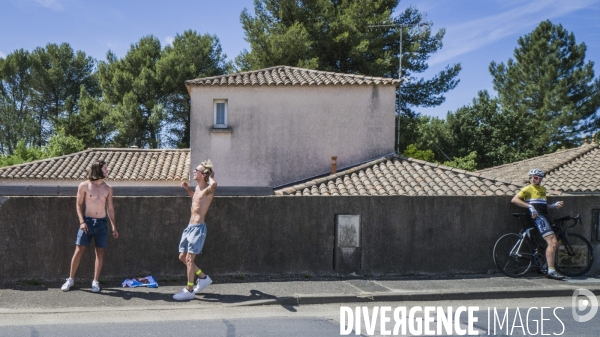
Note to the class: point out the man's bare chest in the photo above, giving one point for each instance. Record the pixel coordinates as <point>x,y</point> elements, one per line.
<point>97,193</point>
<point>198,200</point>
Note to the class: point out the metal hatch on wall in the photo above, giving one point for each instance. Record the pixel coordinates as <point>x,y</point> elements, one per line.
<point>347,255</point>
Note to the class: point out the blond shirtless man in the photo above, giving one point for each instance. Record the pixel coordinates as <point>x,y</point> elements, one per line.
<point>94,202</point>
<point>192,239</point>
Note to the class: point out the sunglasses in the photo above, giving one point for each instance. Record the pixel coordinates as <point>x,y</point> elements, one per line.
<point>536,178</point>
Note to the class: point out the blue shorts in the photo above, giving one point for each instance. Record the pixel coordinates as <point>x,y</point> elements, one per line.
<point>97,229</point>
<point>192,239</point>
<point>543,225</point>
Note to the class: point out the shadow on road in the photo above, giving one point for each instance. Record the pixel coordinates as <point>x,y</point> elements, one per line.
<point>286,302</point>
<point>255,295</point>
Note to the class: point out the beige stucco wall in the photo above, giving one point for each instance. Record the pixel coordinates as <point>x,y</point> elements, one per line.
<point>282,134</point>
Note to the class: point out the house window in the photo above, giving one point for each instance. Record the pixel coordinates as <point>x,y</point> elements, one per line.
<point>220,113</point>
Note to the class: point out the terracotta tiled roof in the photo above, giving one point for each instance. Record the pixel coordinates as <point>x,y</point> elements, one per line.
<point>398,175</point>
<point>284,75</point>
<point>125,165</point>
<point>572,170</point>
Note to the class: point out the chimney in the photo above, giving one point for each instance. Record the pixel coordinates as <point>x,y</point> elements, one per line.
<point>333,164</point>
<point>585,140</point>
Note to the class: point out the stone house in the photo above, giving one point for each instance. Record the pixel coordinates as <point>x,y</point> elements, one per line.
<point>275,126</point>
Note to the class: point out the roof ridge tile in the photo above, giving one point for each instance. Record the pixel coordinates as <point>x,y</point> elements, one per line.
<point>293,76</point>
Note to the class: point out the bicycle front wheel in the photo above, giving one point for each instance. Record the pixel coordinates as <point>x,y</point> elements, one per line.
<point>574,256</point>
<point>513,255</point>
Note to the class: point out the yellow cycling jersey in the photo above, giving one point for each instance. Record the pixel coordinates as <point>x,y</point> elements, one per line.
<point>535,195</point>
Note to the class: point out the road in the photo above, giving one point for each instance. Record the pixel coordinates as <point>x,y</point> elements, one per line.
<point>303,320</point>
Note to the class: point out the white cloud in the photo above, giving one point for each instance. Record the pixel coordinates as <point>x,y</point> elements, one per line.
<point>2,55</point>
<point>169,40</point>
<point>52,4</point>
<point>472,35</point>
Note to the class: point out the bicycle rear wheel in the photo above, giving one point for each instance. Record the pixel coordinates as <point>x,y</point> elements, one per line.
<point>574,256</point>
<point>512,255</point>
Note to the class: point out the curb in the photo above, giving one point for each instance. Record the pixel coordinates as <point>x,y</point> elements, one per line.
<point>413,297</point>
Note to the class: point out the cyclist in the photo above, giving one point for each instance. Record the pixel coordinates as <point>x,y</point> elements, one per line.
<point>533,197</point>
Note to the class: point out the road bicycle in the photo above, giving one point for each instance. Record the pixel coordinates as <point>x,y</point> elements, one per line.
<point>515,254</point>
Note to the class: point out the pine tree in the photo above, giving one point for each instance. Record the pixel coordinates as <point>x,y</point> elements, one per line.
<point>550,88</point>
<point>335,35</point>
<point>133,89</point>
<point>57,76</point>
<point>191,56</point>
<point>17,119</point>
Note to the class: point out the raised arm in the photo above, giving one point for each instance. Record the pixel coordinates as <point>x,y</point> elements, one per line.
<point>111,211</point>
<point>79,206</point>
<point>212,184</point>
<point>187,188</point>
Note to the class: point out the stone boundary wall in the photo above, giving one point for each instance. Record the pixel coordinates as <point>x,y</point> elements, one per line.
<point>268,235</point>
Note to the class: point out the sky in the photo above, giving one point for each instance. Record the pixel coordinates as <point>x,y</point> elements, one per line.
<point>477,31</point>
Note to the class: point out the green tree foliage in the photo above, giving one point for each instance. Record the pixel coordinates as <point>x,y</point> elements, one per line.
<point>550,87</point>
<point>431,133</point>
<point>22,154</point>
<point>138,100</point>
<point>147,99</point>
<point>319,34</point>
<point>412,152</point>
<point>334,35</point>
<point>89,124</point>
<point>547,97</point>
<point>61,144</point>
<point>57,76</point>
<point>132,88</point>
<point>467,163</point>
<point>17,119</point>
<point>40,92</point>
<point>58,145</point>
<point>191,56</point>
<point>497,136</point>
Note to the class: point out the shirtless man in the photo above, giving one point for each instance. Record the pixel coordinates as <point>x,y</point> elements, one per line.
<point>192,239</point>
<point>94,198</point>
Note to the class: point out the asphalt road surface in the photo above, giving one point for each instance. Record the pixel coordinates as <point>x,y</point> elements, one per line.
<point>521,319</point>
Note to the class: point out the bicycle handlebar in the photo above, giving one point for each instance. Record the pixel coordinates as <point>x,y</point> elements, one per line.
<point>575,219</point>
